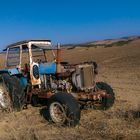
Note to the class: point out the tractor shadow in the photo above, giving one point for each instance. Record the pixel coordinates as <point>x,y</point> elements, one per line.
<point>44,113</point>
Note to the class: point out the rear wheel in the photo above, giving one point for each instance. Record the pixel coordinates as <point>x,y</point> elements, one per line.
<point>63,109</point>
<point>12,95</point>
<point>5,100</point>
<point>108,101</point>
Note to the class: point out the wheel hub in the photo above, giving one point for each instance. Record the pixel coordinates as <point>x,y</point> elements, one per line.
<point>57,113</point>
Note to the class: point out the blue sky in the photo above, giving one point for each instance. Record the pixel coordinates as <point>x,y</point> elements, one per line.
<point>68,21</point>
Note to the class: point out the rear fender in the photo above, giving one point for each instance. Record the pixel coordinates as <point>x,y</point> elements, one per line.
<point>16,72</point>
<point>13,71</point>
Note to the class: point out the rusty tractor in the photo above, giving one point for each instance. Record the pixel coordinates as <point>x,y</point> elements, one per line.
<point>35,75</point>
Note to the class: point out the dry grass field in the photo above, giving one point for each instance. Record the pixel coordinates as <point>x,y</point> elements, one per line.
<point>120,67</point>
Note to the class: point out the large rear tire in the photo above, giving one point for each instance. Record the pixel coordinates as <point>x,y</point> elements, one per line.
<point>11,92</point>
<point>63,109</point>
<point>108,101</point>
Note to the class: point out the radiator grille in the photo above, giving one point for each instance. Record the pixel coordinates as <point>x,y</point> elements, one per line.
<point>87,77</point>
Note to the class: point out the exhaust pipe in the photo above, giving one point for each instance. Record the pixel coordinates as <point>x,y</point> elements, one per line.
<point>58,67</point>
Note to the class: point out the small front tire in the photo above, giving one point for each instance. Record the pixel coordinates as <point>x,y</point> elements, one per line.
<point>108,101</point>
<point>63,109</point>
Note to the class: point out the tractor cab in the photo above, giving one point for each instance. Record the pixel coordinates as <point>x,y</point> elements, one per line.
<point>33,58</point>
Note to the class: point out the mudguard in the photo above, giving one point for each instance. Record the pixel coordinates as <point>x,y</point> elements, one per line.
<point>13,71</point>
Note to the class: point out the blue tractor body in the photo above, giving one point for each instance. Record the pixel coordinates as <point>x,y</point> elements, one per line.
<point>47,68</point>
<point>44,68</point>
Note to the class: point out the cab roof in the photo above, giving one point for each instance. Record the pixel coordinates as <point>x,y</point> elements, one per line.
<point>24,42</point>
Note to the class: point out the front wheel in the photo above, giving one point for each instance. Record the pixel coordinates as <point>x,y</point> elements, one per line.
<point>63,109</point>
<point>108,101</point>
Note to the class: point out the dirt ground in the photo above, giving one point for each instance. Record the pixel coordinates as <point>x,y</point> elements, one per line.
<point>120,67</point>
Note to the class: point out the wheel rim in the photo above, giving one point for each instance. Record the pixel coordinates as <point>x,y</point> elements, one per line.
<point>57,113</point>
<point>5,101</point>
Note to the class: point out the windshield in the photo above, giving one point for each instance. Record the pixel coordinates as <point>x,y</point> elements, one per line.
<point>42,53</point>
